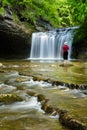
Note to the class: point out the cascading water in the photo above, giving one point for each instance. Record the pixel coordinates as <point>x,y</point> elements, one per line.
<point>48,45</point>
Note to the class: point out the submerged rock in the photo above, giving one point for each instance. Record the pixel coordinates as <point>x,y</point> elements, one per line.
<point>31,93</point>
<point>9,98</point>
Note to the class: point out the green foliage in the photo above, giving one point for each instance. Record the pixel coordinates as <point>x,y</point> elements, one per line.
<point>78,11</point>
<point>2,11</point>
<point>5,2</point>
<point>60,13</point>
<point>81,33</point>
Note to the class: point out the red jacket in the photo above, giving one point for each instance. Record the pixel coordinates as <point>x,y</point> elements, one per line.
<point>65,48</point>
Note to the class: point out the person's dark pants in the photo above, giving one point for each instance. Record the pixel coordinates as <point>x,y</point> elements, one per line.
<point>65,55</point>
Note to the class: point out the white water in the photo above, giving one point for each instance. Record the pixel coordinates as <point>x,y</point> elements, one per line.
<point>32,103</point>
<point>48,45</point>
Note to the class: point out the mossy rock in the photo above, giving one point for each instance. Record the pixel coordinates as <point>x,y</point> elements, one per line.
<point>41,97</point>
<point>71,123</point>
<point>32,93</point>
<point>21,79</point>
<point>9,98</point>
<point>66,65</point>
<point>38,78</point>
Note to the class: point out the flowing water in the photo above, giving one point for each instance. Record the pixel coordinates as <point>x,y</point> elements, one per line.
<point>48,45</point>
<point>16,78</point>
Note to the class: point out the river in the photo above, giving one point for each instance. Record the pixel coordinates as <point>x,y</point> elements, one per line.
<point>16,77</point>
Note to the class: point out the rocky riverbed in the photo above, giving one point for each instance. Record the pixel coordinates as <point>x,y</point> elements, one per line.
<point>34,94</point>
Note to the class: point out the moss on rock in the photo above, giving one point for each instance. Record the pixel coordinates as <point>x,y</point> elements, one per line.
<point>9,98</point>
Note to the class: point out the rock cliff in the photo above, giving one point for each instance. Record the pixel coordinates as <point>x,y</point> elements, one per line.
<point>14,38</point>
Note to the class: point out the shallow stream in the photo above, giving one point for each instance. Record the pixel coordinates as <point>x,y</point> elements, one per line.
<point>16,78</point>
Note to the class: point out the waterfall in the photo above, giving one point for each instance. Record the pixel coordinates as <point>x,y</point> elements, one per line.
<point>48,45</point>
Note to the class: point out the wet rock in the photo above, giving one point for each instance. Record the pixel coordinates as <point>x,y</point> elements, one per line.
<point>9,98</point>
<point>77,86</point>
<point>47,80</point>
<point>71,123</point>
<point>66,85</point>
<point>34,78</point>
<point>85,86</point>
<point>38,78</point>
<point>66,65</point>
<point>57,83</point>
<point>32,93</point>
<point>40,97</point>
<point>72,86</point>
<point>49,109</point>
<point>21,79</point>
<point>81,87</point>
<point>44,104</point>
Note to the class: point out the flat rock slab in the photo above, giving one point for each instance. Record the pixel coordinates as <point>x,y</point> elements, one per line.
<point>66,65</point>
